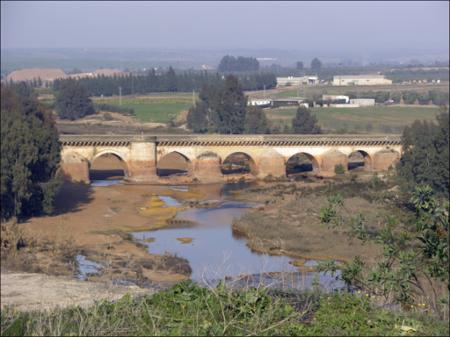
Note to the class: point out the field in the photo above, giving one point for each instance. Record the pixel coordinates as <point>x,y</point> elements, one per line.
<point>152,108</point>
<point>311,92</point>
<point>378,119</point>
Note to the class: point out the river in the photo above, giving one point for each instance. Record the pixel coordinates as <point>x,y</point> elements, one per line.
<point>215,253</point>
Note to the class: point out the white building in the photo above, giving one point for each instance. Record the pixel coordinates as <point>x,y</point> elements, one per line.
<point>363,101</point>
<point>296,81</point>
<point>346,99</point>
<point>265,102</point>
<point>361,80</point>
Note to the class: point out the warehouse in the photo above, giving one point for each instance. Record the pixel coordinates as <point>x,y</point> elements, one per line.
<point>361,80</point>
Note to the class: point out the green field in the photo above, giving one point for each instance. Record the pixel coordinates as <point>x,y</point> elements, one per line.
<point>378,119</point>
<point>311,92</point>
<point>152,108</point>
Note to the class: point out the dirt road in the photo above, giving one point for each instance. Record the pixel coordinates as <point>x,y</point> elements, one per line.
<point>30,291</point>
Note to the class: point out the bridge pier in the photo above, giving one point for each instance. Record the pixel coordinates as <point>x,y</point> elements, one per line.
<point>142,162</point>
<point>74,168</point>
<point>207,168</point>
<point>272,164</point>
<point>329,161</point>
<point>384,159</point>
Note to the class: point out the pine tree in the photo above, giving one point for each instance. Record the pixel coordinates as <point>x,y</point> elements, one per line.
<point>229,115</point>
<point>72,100</point>
<point>304,122</point>
<point>256,121</point>
<point>30,152</point>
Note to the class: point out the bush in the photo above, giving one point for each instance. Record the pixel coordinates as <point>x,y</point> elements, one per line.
<point>114,108</point>
<point>339,169</point>
<point>409,97</point>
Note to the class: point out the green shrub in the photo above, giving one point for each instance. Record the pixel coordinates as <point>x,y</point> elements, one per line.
<point>339,169</point>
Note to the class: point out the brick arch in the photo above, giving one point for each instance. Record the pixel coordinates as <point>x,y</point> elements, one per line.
<point>314,161</point>
<point>116,154</point>
<point>368,160</point>
<point>252,162</point>
<point>188,162</point>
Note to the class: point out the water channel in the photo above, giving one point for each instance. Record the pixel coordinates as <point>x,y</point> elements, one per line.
<point>215,253</point>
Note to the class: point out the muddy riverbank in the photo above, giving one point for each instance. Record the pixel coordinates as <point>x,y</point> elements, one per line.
<point>289,223</point>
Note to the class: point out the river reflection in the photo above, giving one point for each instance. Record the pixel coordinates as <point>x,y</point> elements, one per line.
<point>214,253</point>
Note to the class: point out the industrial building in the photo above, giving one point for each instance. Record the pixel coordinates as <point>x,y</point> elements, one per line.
<point>361,80</point>
<point>363,101</point>
<point>296,81</point>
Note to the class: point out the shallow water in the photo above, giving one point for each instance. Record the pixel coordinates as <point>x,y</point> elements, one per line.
<point>109,182</point>
<point>86,267</point>
<point>215,253</point>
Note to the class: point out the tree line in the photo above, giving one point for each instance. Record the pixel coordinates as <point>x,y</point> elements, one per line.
<point>168,81</point>
<point>238,64</point>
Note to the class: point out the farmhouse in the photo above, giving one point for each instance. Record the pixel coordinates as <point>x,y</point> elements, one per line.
<point>361,80</point>
<point>296,81</point>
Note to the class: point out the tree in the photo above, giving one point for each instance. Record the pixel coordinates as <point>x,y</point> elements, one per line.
<point>316,65</point>
<point>256,121</point>
<point>72,100</point>
<point>299,65</point>
<point>197,118</point>
<point>304,122</point>
<point>221,108</point>
<point>425,158</point>
<point>229,117</point>
<point>30,152</point>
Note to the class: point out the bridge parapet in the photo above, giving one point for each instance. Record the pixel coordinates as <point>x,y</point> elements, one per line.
<point>231,140</point>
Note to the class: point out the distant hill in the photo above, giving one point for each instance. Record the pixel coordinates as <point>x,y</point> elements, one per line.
<point>50,74</point>
<point>29,74</point>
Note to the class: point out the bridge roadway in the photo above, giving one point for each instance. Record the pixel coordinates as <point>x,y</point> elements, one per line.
<point>204,154</point>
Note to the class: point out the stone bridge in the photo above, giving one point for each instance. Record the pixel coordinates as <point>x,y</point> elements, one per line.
<point>204,154</point>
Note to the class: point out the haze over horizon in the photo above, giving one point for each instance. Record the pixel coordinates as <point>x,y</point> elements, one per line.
<point>343,28</point>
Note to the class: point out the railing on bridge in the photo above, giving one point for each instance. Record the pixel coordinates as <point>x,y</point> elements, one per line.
<point>232,140</point>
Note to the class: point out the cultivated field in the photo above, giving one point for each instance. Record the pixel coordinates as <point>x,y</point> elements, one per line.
<point>152,108</point>
<point>385,119</point>
<point>311,92</point>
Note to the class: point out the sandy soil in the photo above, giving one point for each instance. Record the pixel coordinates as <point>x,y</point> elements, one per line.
<point>30,291</point>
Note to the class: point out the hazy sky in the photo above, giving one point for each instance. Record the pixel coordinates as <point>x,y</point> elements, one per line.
<point>352,26</point>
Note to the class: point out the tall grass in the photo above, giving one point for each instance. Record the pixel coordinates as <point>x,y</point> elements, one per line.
<point>188,309</point>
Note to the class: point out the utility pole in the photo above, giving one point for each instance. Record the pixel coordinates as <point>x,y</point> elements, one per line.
<point>264,91</point>
<point>120,95</point>
<point>193,97</point>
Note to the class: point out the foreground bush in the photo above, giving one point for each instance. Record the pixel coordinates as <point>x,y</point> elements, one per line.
<point>187,309</point>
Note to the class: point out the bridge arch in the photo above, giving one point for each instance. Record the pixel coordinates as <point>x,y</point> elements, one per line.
<point>359,160</point>
<point>239,163</point>
<point>173,163</point>
<point>108,164</point>
<point>302,163</point>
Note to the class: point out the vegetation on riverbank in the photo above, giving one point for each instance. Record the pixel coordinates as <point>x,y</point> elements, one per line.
<point>187,309</point>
